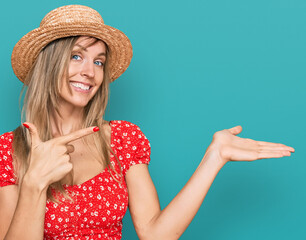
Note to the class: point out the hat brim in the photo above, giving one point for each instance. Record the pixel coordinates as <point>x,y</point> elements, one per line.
<point>28,47</point>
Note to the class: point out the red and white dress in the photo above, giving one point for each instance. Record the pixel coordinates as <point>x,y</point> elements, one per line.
<point>101,202</point>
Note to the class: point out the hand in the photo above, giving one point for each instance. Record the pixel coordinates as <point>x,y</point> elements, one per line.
<point>229,147</point>
<point>50,161</point>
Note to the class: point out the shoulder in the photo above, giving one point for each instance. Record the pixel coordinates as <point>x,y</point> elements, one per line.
<point>129,144</point>
<point>123,125</point>
<point>126,130</point>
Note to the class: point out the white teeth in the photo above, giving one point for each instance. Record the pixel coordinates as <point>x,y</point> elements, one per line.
<point>81,86</point>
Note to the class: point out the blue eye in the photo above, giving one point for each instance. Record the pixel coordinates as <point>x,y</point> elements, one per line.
<point>99,63</point>
<point>75,57</point>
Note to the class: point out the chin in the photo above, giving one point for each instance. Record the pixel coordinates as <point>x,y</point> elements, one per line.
<point>81,104</point>
<point>76,103</point>
<point>80,101</point>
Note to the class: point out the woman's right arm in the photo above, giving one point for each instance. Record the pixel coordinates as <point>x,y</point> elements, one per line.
<point>22,213</point>
<point>8,202</point>
<point>24,218</point>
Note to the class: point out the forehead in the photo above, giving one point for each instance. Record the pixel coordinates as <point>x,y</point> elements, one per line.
<point>85,43</point>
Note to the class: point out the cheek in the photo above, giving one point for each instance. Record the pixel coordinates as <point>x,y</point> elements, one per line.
<point>72,69</point>
<point>98,86</point>
<point>99,77</point>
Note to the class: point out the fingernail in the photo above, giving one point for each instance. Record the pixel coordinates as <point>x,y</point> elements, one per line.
<point>26,125</point>
<point>96,129</point>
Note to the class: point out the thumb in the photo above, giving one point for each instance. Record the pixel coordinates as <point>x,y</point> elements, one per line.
<point>35,139</point>
<point>235,130</point>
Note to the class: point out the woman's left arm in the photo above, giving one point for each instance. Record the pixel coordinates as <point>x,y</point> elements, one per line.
<point>170,223</point>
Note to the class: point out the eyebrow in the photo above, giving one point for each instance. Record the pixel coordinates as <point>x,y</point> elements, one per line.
<point>85,50</point>
<point>102,54</point>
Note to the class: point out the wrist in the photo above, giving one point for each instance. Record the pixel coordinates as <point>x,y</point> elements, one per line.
<point>33,184</point>
<point>213,157</point>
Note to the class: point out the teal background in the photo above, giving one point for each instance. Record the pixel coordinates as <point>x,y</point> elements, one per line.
<point>199,67</point>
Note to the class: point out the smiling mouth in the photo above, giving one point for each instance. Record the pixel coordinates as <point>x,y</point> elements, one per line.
<point>80,86</point>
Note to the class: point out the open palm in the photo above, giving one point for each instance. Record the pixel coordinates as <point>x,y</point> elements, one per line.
<point>233,148</point>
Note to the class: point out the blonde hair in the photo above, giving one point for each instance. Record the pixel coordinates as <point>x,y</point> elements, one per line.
<point>41,99</point>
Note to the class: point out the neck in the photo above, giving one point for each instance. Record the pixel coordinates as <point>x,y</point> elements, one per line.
<point>68,119</point>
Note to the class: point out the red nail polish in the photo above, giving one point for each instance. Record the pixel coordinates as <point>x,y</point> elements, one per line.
<point>26,125</point>
<point>96,129</point>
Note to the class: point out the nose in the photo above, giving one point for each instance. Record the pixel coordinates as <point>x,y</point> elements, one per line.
<point>87,69</point>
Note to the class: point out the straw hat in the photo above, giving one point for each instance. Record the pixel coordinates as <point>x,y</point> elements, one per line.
<point>66,21</point>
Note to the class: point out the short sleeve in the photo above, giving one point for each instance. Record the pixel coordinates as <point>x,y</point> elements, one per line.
<point>132,145</point>
<point>7,176</point>
<point>140,146</point>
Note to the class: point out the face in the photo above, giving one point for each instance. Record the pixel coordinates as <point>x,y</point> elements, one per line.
<point>85,72</point>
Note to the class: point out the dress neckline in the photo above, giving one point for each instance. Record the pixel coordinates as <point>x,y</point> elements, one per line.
<point>100,173</point>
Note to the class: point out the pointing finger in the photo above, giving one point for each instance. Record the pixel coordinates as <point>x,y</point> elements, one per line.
<point>35,139</point>
<point>77,134</point>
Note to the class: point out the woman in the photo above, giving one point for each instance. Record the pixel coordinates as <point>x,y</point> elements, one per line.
<point>67,173</point>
